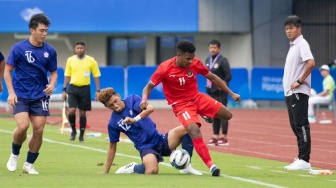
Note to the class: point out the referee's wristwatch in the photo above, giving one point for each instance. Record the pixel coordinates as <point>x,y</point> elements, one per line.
<point>298,81</point>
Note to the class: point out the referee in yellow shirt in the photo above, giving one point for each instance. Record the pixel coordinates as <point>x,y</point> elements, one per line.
<point>77,71</point>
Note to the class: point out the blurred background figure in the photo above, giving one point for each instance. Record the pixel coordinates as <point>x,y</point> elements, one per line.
<point>324,97</point>
<point>218,65</point>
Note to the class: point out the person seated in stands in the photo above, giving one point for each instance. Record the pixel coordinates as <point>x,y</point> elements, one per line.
<point>324,97</point>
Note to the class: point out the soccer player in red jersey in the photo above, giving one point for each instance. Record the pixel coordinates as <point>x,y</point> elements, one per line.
<point>178,77</point>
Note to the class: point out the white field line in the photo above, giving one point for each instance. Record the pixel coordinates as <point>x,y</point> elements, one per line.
<point>164,164</point>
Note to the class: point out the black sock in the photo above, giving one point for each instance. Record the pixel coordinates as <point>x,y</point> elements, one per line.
<point>72,121</point>
<point>16,149</point>
<point>31,157</point>
<point>82,124</point>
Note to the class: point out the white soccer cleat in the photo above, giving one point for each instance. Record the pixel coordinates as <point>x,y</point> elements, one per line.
<point>29,168</point>
<point>190,170</point>
<point>298,165</point>
<point>127,169</point>
<point>12,162</point>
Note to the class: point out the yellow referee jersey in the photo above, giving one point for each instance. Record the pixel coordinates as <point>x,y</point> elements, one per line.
<point>80,69</point>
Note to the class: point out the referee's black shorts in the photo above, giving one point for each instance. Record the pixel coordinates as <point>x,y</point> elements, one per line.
<point>79,97</point>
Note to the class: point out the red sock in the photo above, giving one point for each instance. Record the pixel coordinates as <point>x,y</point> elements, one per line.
<point>202,151</point>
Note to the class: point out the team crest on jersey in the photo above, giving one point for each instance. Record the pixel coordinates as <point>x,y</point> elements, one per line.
<point>216,65</point>
<point>131,112</point>
<point>46,54</point>
<point>189,73</point>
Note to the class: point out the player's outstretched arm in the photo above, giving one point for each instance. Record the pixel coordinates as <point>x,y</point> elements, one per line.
<point>110,157</point>
<point>145,94</point>
<point>223,86</point>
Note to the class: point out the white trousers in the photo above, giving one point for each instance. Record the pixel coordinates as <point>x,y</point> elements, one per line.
<point>316,100</point>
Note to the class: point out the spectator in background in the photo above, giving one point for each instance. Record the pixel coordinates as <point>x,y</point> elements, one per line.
<point>77,71</point>
<point>296,82</point>
<point>2,68</point>
<point>219,66</point>
<point>324,97</point>
<point>29,89</point>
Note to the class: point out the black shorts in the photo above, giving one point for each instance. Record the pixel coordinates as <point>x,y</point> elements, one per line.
<point>79,97</point>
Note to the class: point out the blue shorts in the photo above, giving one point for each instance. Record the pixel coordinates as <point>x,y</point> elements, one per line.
<point>159,151</point>
<point>38,107</point>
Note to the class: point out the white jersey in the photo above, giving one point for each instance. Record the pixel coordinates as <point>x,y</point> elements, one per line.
<point>298,55</point>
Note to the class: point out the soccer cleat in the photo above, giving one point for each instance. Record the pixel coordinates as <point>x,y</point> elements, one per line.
<point>190,170</point>
<point>212,142</point>
<point>222,142</point>
<point>12,162</point>
<point>73,136</point>
<point>81,139</point>
<point>127,169</point>
<point>298,165</point>
<point>214,170</point>
<point>207,119</point>
<point>29,168</point>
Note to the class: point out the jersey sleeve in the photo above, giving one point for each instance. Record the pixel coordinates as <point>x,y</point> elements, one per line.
<point>67,71</point>
<point>158,75</point>
<point>12,57</point>
<point>53,61</point>
<point>114,134</point>
<point>95,69</point>
<point>136,103</point>
<point>201,68</point>
<point>305,52</point>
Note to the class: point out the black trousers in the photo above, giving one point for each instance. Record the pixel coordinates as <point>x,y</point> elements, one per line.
<point>297,107</point>
<point>218,123</point>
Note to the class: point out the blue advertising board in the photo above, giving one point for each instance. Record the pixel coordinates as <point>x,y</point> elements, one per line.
<point>138,77</point>
<point>266,83</point>
<point>111,76</point>
<point>87,16</point>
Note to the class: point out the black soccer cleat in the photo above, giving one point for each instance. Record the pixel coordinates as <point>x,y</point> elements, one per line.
<point>73,136</point>
<point>215,171</point>
<point>81,139</point>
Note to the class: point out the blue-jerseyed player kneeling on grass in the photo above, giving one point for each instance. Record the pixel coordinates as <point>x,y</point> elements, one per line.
<point>29,90</point>
<point>128,118</point>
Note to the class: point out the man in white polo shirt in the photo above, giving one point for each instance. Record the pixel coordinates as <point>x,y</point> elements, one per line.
<point>297,84</point>
<point>324,97</point>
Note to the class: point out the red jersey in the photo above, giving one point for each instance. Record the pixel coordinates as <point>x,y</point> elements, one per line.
<point>179,84</point>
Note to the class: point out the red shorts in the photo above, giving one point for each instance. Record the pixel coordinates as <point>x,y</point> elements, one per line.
<point>187,112</point>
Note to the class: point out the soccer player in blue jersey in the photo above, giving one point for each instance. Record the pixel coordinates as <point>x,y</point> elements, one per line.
<point>128,118</point>
<point>29,90</point>
<point>2,67</point>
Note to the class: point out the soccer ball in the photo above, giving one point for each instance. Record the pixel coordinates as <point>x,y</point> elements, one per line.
<point>179,159</point>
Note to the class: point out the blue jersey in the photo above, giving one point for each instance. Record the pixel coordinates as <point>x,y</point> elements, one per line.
<point>1,57</point>
<point>32,65</point>
<point>142,133</point>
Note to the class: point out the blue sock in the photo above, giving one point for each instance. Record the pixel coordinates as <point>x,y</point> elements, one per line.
<point>139,168</point>
<point>31,157</point>
<point>16,149</point>
<point>187,144</point>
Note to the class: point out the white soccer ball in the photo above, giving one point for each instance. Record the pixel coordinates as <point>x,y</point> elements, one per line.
<point>179,159</point>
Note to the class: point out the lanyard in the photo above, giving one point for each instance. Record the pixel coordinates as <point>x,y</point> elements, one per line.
<point>212,62</point>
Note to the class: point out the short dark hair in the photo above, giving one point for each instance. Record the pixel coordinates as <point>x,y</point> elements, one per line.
<point>38,18</point>
<point>215,42</point>
<point>80,43</point>
<point>185,46</point>
<point>293,20</point>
